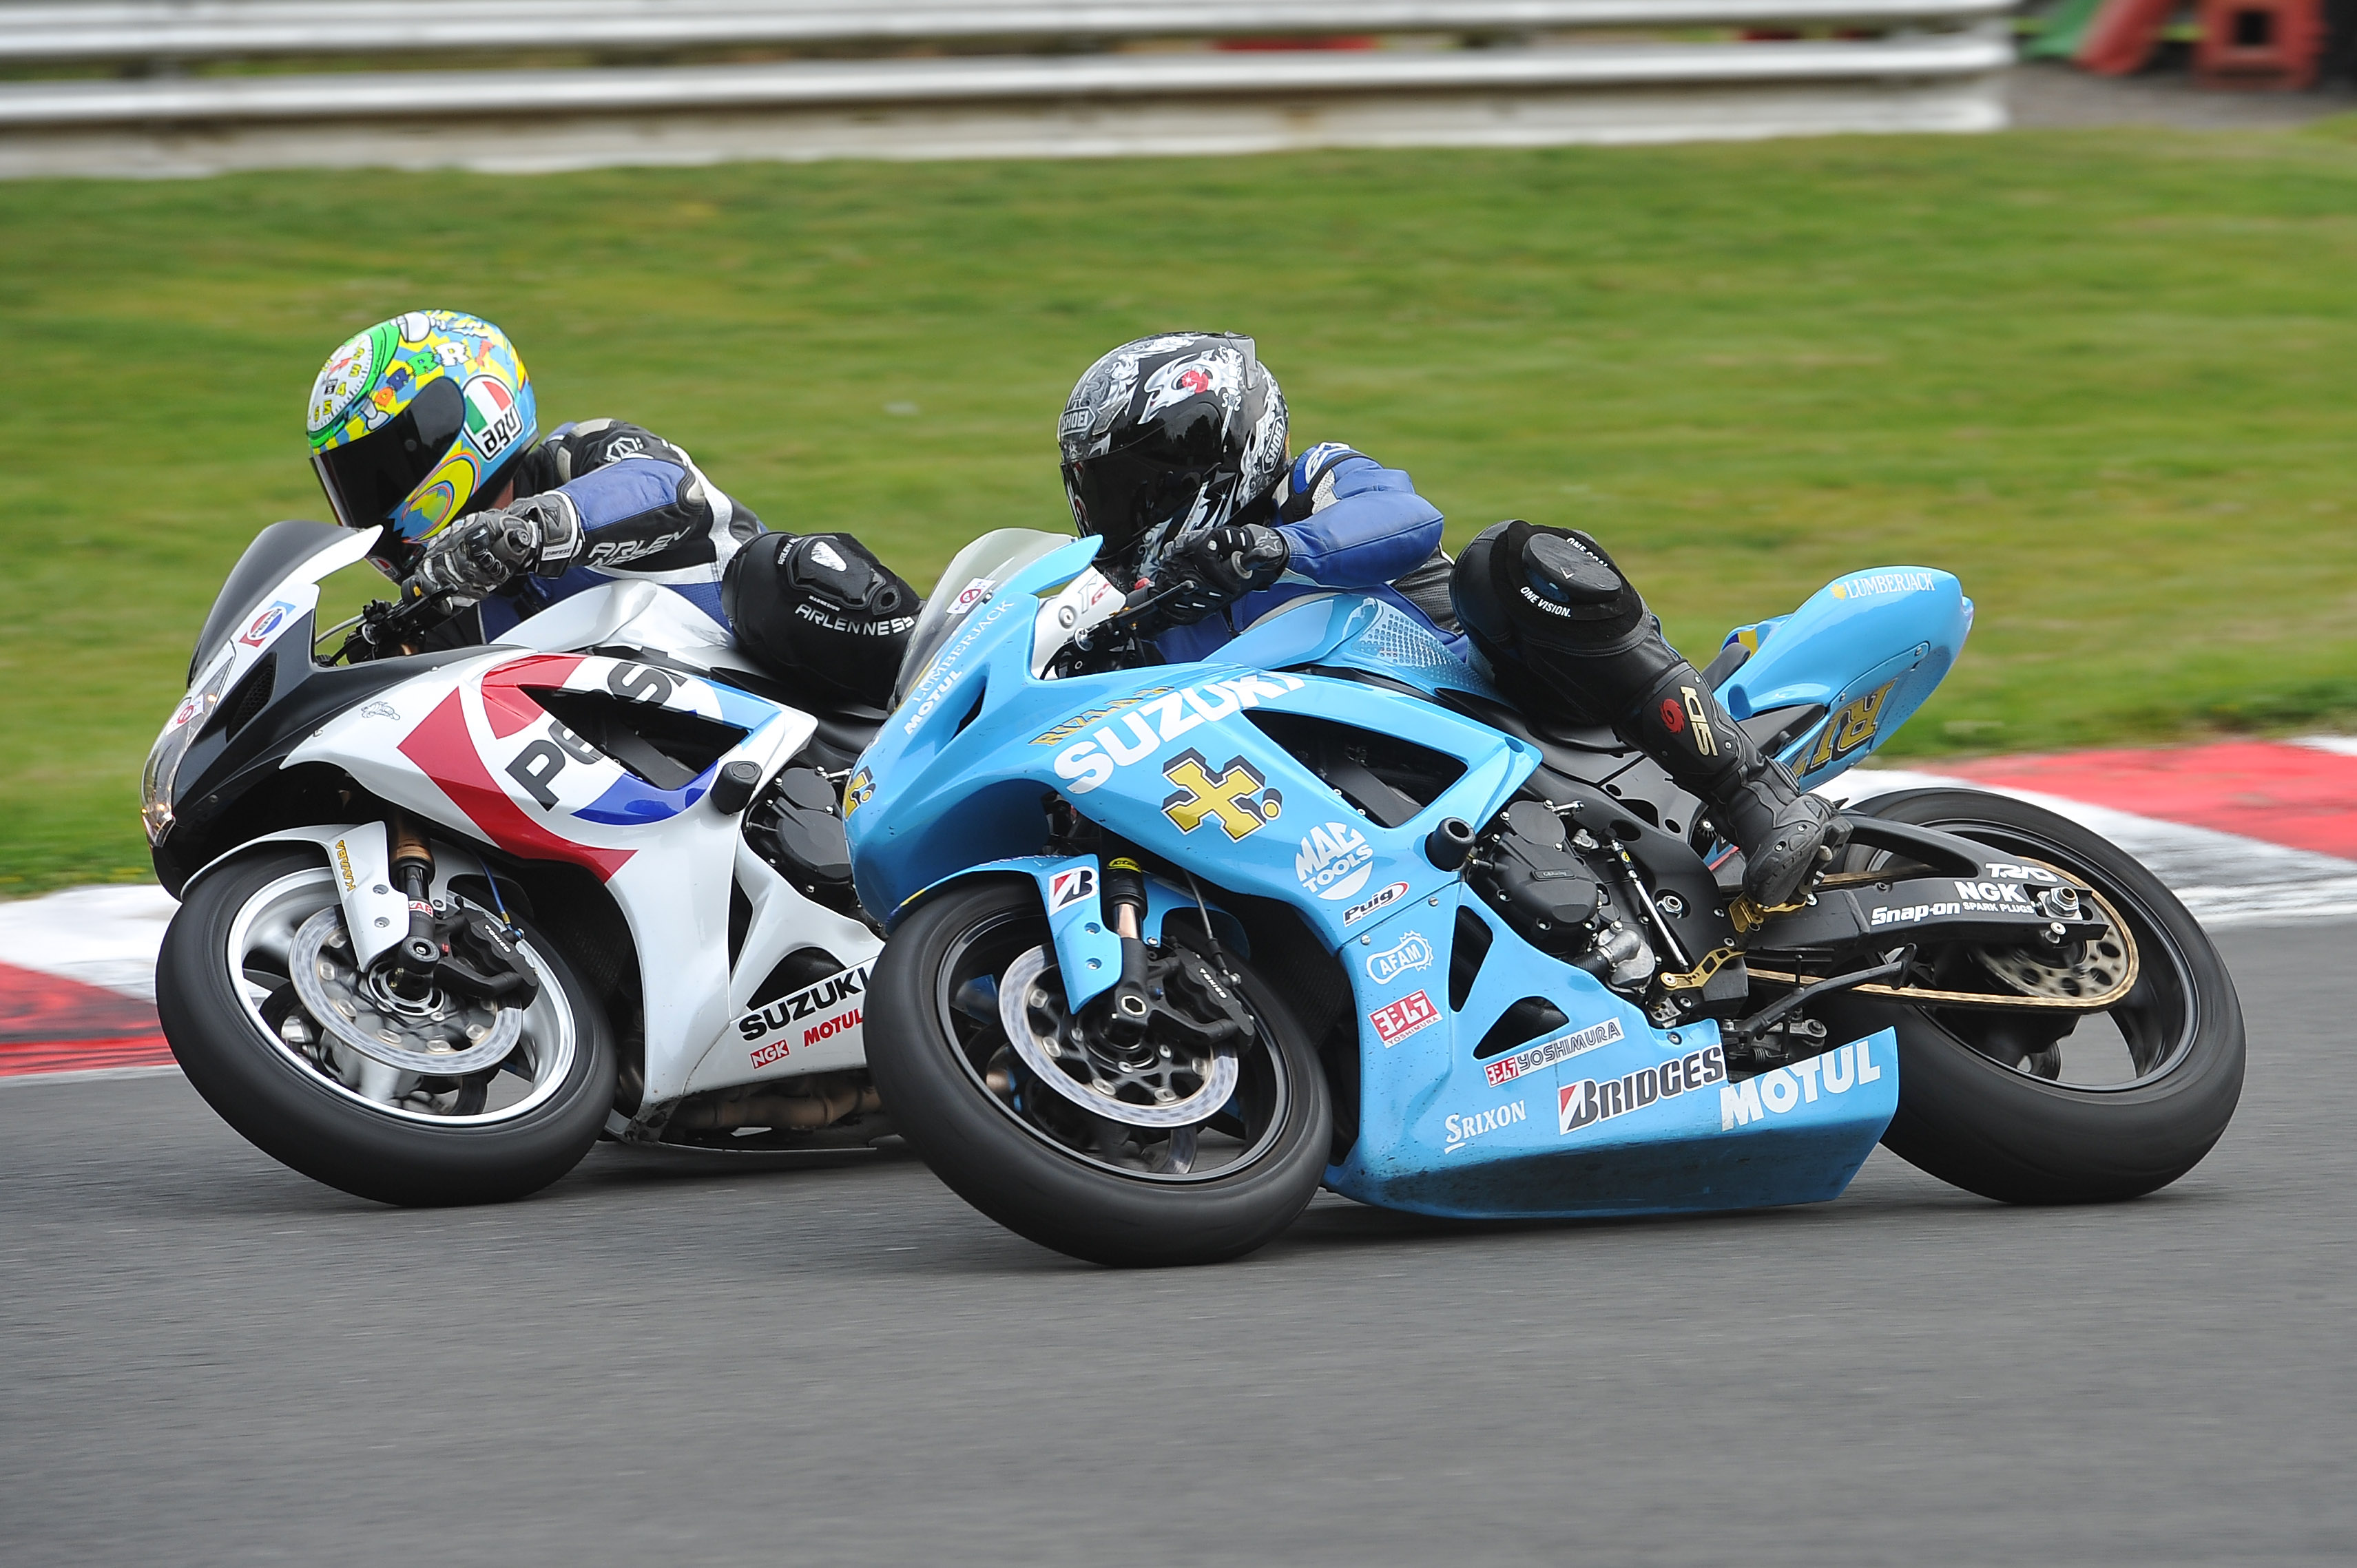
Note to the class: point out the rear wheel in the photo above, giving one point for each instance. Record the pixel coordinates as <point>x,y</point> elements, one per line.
<point>509,1100</point>
<point>2048,1105</point>
<point>1195,1141</point>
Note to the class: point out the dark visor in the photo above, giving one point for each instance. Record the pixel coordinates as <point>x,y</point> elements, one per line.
<point>1119,496</point>
<point>369,479</point>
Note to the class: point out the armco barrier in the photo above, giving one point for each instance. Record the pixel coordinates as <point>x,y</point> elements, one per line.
<point>1034,77</point>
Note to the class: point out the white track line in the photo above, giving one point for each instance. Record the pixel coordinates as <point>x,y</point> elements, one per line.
<point>84,1075</point>
<point>2346,745</point>
<point>100,936</point>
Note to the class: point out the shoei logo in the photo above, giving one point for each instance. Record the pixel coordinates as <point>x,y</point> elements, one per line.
<point>1413,952</point>
<point>1334,861</point>
<point>1777,1092</point>
<point>1586,1103</point>
<point>493,418</point>
<point>1852,725</point>
<point>1145,721</point>
<point>1232,797</point>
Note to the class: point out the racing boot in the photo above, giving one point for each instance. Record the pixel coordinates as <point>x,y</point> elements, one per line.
<point>1786,836</point>
<point>1563,629</point>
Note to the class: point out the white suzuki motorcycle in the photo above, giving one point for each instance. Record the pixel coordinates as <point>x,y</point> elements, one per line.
<point>446,917</point>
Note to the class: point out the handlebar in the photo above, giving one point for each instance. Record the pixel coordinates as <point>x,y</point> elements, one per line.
<point>385,625</point>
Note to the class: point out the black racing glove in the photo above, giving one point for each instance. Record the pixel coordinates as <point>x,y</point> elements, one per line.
<point>477,554</point>
<point>1219,566</point>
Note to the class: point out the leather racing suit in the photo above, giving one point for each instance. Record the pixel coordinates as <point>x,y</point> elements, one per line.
<point>617,502</point>
<point>1349,523</point>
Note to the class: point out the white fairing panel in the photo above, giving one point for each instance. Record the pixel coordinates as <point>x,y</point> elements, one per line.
<point>468,745</point>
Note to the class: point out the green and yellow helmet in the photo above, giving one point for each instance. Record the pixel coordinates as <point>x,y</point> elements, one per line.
<point>416,420</point>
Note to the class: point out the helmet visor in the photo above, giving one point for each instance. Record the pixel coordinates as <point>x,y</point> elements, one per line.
<point>367,479</point>
<point>1122,495</point>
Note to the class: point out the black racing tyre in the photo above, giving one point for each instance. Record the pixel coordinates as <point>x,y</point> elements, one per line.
<point>258,1058</point>
<point>2120,1103</point>
<point>1038,1162</point>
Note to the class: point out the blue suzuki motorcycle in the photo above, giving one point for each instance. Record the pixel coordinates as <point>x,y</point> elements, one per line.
<point>1172,945</point>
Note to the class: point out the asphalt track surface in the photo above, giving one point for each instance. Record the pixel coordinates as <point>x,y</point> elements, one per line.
<point>208,1359</point>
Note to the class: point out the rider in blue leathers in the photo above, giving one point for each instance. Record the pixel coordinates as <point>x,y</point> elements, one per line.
<point>1347,523</point>
<point>1175,454</point>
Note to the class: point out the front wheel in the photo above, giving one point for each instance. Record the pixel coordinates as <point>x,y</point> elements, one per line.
<point>454,1101</point>
<point>1194,1138</point>
<point>2049,1104</point>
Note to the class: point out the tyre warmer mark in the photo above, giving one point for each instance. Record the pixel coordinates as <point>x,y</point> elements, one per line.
<point>444,750</point>
<point>52,1024</point>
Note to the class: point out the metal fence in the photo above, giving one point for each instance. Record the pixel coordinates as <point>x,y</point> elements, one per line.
<point>974,78</point>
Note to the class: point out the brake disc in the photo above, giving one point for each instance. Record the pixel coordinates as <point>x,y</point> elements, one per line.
<point>2095,973</point>
<point>1043,1034</point>
<point>437,1033</point>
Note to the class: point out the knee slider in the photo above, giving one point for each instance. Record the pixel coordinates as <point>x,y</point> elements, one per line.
<point>820,611</point>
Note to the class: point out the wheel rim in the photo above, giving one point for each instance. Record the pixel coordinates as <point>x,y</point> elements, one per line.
<point>2137,1041</point>
<point>1233,1136</point>
<point>258,956</point>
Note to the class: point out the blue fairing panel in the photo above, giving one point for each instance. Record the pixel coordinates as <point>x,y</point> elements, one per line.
<point>1603,1114</point>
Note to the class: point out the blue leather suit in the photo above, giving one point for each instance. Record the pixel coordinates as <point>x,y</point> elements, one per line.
<point>1357,525</point>
<point>647,513</point>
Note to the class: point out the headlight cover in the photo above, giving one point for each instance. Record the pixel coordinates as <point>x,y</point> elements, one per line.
<point>164,758</point>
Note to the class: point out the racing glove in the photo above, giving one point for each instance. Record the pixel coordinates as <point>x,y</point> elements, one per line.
<point>1219,565</point>
<point>478,553</point>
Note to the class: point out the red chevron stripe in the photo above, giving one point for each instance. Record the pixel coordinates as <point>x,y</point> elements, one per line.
<point>445,752</point>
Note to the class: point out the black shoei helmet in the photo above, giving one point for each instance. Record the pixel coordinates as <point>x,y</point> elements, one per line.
<point>1167,435</point>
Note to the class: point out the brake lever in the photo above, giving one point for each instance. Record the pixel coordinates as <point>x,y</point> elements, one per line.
<point>1133,618</point>
<point>385,624</point>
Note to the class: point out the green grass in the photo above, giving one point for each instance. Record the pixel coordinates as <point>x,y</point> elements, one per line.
<point>2108,378</point>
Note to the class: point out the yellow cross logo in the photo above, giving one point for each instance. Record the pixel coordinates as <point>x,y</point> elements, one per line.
<point>1228,797</point>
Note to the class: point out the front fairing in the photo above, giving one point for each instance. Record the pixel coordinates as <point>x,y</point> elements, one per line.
<point>1167,757</point>
<point>267,606</point>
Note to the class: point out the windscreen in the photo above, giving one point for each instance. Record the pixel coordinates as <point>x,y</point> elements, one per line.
<point>276,552</point>
<point>979,571</point>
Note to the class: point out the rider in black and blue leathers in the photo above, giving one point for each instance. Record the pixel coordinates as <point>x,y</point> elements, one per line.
<point>424,432</point>
<point>1347,523</point>
<point>1175,454</point>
